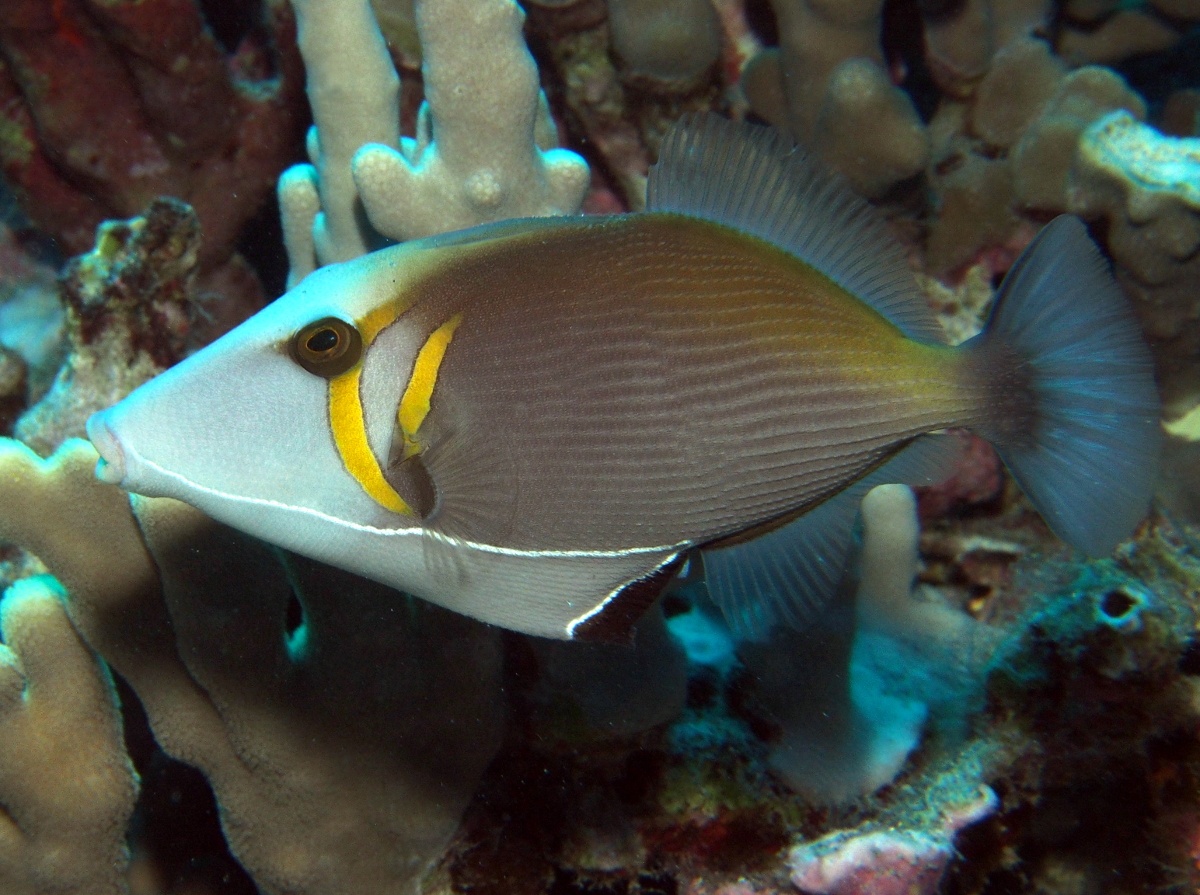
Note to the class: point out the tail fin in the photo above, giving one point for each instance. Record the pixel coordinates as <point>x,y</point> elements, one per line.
<point>1090,461</point>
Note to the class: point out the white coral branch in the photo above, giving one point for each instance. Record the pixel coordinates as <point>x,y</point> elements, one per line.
<point>354,93</point>
<point>475,158</point>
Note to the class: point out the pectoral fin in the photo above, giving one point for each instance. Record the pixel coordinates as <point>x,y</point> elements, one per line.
<point>462,473</point>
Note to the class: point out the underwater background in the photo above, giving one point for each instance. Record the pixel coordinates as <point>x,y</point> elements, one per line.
<point>186,710</point>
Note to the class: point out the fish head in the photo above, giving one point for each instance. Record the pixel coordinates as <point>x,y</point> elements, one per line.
<point>281,427</point>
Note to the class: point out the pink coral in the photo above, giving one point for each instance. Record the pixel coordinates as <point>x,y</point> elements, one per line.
<point>976,479</point>
<point>893,861</point>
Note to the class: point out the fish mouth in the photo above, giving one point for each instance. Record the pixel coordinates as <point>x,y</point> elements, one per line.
<point>111,466</point>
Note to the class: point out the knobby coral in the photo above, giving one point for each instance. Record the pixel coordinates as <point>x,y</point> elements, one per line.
<point>1145,188</point>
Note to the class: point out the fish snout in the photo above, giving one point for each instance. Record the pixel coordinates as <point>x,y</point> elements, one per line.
<point>111,466</point>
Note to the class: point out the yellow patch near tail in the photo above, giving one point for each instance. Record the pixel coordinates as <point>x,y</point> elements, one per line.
<point>415,403</point>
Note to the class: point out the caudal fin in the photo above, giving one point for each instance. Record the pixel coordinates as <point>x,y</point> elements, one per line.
<point>1066,332</point>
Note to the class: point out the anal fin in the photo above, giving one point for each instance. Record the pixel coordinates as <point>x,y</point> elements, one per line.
<point>788,574</point>
<point>615,622</point>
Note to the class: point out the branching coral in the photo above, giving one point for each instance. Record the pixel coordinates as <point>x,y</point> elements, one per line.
<point>1009,150</point>
<point>852,693</point>
<point>671,42</point>
<point>836,92</point>
<point>1107,31</point>
<point>622,71</point>
<point>577,40</point>
<point>449,177</point>
<point>1043,158</point>
<point>484,164</point>
<point>830,85</point>
<point>961,39</point>
<point>1148,186</point>
<point>354,94</point>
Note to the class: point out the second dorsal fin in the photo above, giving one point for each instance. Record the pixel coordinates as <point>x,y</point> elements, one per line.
<point>754,179</point>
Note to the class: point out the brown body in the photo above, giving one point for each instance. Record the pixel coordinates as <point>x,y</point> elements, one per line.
<point>653,379</point>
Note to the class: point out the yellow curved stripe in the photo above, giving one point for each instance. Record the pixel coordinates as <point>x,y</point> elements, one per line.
<point>370,325</point>
<point>350,435</point>
<point>415,403</point>
<point>349,425</point>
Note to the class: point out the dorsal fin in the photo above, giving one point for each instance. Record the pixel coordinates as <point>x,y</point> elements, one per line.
<point>754,179</point>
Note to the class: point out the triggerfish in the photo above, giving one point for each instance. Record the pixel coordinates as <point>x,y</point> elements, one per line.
<point>536,422</point>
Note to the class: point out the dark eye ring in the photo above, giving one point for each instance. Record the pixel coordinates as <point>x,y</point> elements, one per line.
<point>328,347</point>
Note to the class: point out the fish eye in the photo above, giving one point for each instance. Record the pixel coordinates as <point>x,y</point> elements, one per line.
<point>327,347</point>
